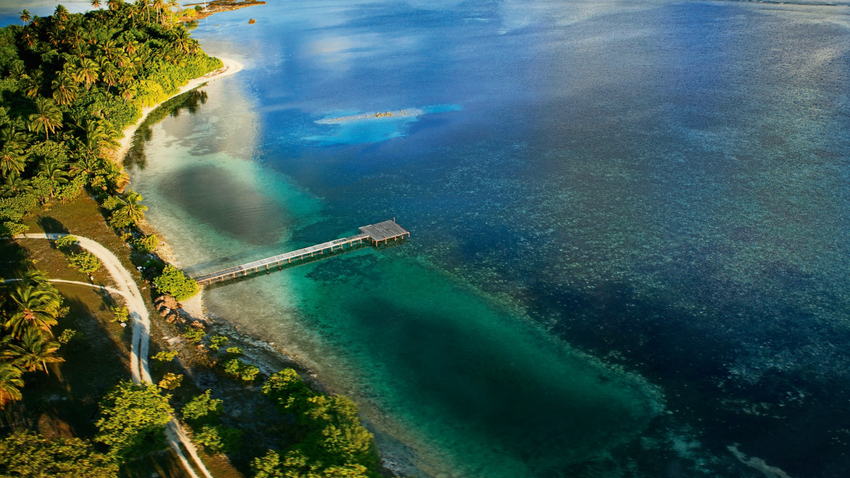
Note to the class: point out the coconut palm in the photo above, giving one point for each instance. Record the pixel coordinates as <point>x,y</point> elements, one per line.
<point>142,8</point>
<point>131,209</point>
<point>10,383</point>
<point>31,84</point>
<point>183,40</point>
<point>86,71</point>
<point>61,13</point>
<point>54,171</point>
<point>158,5</point>
<point>14,184</point>
<point>48,117</point>
<point>109,74</point>
<point>173,6</point>
<point>95,3</point>
<point>114,177</point>
<point>35,309</point>
<point>86,166</point>
<point>114,4</point>
<point>28,39</point>
<point>64,89</point>
<point>34,351</point>
<point>12,157</point>
<point>25,16</point>
<point>11,161</point>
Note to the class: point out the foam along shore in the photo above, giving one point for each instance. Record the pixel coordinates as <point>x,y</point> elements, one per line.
<point>230,67</point>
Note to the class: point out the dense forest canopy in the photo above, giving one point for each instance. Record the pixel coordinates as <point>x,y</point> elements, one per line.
<point>69,84</point>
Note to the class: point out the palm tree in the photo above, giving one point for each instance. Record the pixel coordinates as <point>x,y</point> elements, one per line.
<point>53,170</point>
<point>28,39</point>
<point>11,161</point>
<point>172,6</point>
<point>131,209</point>
<point>61,14</point>
<point>114,4</point>
<point>142,5</point>
<point>10,383</point>
<point>114,177</point>
<point>86,165</point>
<point>157,5</point>
<point>25,16</point>
<point>183,40</point>
<point>47,118</point>
<point>107,135</point>
<point>64,89</point>
<point>31,84</point>
<point>109,74</point>
<point>12,157</point>
<point>35,309</point>
<point>39,279</point>
<point>35,351</point>
<point>95,3</point>
<point>14,184</point>
<point>86,71</point>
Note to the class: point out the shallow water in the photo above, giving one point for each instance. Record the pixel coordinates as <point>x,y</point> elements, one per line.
<point>629,225</point>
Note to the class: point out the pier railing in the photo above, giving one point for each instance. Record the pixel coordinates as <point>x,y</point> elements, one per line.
<point>377,234</point>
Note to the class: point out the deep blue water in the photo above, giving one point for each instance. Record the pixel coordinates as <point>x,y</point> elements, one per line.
<point>629,225</point>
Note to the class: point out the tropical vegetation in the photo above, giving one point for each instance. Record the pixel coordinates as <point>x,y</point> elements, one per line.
<point>175,283</point>
<point>333,442</point>
<point>69,84</point>
<point>29,309</point>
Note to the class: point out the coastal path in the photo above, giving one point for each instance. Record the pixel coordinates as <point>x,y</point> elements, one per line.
<point>377,234</point>
<point>139,368</point>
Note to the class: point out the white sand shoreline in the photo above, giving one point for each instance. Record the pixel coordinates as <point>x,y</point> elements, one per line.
<point>230,67</point>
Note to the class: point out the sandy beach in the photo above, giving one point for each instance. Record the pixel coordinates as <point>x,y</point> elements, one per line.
<point>230,67</point>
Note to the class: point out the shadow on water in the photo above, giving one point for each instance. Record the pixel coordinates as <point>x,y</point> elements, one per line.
<point>191,101</point>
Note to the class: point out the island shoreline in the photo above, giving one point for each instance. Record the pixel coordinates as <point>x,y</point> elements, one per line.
<point>230,67</point>
<point>268,356</point>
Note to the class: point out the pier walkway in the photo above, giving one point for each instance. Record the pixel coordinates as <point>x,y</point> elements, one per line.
<point>377,234</point>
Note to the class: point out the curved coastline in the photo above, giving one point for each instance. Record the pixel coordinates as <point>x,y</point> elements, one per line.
<point>230,67</point>
<point>193,306</point>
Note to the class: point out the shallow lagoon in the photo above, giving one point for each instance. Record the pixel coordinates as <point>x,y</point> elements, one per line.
<point>630,228</point>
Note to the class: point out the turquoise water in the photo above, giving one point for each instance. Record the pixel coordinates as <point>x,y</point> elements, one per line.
<point>629,225</point>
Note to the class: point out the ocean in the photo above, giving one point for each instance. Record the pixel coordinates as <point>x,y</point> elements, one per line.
<point>629,225</point>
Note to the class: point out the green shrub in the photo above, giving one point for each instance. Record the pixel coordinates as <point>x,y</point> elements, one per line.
<point>170,381</point>
<point>217,341</point>
<point>334,438</point>
<point>146,244</point>
<point>133,419</point>
<point>195,335</point>
<point>248,372</point>
<point>164,356</point>
<point>234,351</point>
<point>23,453</point>
<point>203,409</point>
<point>236,368</point>
<point>84,262</point>
<point>219,439</point>
<point>176,283</point>
<point>232,367</point>
<point>67,335</point>
<point>67,241</point>
<point>121,314</point>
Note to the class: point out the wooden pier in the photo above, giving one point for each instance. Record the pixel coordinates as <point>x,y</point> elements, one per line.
<point>377,234</point>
